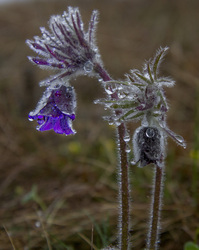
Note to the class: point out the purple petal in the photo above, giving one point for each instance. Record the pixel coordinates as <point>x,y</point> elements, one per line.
<point>47,125</point>
<point>57,111</point>
<point>63,126</point>
<point>79,23</point>
<point>72,117</point>
<point>67,35</point>
<point>79,33</point>
<point>57,127</point>
<point>66,125</point>
<point>51,39</point>
<point>38,46</point>
<point>39,61</point>
<point>92,26</point>
<point>54,29</point>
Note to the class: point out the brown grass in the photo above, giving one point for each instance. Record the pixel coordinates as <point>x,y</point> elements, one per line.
<point>54,189</point>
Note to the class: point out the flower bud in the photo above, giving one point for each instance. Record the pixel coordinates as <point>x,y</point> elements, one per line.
<point>148,143</point>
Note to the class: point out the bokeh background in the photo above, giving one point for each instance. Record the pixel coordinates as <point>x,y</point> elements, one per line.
<point>60,192</point>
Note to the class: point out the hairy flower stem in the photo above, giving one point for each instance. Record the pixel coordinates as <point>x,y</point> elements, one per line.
<point>123,191</point>
<point>154,225</point>
<point>124,197</point>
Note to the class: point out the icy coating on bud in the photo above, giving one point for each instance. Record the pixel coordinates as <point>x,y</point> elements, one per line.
<point>56,110</point>
<point>149,146</point>
<point>66,48</point>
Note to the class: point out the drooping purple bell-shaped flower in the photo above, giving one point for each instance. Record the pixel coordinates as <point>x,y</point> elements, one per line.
<point>56,110</point>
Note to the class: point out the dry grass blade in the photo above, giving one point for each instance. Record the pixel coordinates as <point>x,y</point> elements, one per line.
<point>10,238</point>
<point>88,241</point>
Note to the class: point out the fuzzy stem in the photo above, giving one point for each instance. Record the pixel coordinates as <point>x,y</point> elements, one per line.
<point>154,225</point>
<point>124,197</point>
<point>123,191</point>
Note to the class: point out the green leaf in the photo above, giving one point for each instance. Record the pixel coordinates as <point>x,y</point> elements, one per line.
<point>131,115</point>
<point>149,70</point>
<point>191,246</point>
<point>157,60</point>
<point>134,81</point>
<point>142,77</point>
<point>124,105</point>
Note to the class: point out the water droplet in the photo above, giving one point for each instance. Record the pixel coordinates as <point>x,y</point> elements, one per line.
<point>150,132</point>
<point>120,95</point>
<point>108,91</point>
<point>128,149</point>
<point>127,138</point>
<point>88,67</point>
<point>117,123</point>
<point>37,224</point>
<point>133,162</point>
<point>180,140</point>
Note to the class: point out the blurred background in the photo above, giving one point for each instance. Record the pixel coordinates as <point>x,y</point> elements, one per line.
<point>60,192</point>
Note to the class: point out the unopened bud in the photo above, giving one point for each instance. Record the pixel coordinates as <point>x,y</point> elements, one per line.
<point>148,144</point>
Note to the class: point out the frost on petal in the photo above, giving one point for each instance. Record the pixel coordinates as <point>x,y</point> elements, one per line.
<point>56,110</point>
<point>65,99</point>
<point>46,63</point>
<point>92,27</point>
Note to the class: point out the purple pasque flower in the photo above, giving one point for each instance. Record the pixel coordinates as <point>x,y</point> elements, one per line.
<point>66,48</point>
<point>56,110</point>
<point>141,97</point>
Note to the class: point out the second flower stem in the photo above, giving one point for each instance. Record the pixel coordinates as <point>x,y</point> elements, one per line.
<point>154,224</point>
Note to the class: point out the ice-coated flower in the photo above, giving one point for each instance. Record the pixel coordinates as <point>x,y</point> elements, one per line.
<point>141,97</point>
<point>56,110</point>
<point>66,48</point>
<point>148,146</point>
